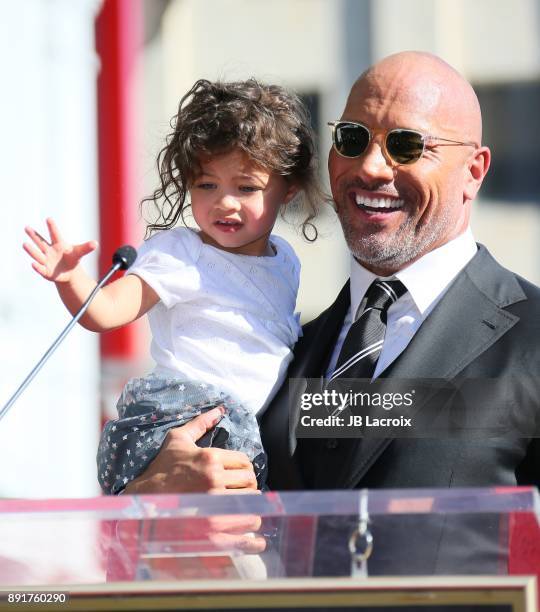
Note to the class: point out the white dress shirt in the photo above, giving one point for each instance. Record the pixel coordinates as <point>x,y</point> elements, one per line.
<point>426,280</point>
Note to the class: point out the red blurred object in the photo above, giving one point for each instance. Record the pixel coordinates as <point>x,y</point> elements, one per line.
<point>119,36</point>
<point>524,546</point>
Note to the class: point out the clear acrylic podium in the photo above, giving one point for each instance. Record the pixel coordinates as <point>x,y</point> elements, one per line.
<point>426,549</point>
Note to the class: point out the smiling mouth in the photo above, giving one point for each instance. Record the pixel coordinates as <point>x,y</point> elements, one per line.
<point>228,224</point>
<point>378,205</point>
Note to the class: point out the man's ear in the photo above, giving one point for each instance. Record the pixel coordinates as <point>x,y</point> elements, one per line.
<point>477,168</point>
<point>291,192</point>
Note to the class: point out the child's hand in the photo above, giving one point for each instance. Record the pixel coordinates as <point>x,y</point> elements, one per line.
<point>55,260</point>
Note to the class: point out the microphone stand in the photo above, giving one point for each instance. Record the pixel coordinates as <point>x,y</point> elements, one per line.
<point>120,262</point>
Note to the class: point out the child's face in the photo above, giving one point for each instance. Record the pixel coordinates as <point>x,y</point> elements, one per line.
<point>235,203</point>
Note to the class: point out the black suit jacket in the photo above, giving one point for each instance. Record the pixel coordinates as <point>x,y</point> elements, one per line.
<point>487,326</point>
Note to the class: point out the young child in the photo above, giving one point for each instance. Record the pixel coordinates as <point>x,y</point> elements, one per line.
<point>221,300</point>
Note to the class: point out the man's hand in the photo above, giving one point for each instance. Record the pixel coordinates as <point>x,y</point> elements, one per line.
<point>182,467</point>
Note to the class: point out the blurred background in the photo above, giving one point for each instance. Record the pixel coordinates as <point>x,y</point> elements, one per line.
<point>89,88</point>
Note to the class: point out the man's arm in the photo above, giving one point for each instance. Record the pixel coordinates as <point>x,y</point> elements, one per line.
<point>183,467</point>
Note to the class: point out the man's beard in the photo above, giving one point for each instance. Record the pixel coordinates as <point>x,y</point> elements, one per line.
<point>394,251</point>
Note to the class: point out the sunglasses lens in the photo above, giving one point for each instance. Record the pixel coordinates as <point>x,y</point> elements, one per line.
<point>405,146</point>
<point>350,140</point>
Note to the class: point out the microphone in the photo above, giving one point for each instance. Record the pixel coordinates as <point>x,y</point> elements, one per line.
<point>122,259</point>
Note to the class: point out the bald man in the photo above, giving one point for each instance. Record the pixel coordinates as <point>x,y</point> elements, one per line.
<point>405,167</point>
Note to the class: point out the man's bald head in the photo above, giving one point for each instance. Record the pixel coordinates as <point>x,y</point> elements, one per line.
<point>425,80</point>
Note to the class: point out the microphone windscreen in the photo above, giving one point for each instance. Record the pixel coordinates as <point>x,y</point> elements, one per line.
<point>125,256</point>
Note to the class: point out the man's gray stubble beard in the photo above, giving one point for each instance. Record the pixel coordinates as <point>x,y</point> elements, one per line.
<point>393,251</point>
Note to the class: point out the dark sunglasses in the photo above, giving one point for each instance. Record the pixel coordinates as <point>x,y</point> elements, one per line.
<point>400,145</point>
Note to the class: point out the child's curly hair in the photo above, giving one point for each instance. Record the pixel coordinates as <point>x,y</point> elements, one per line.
<point>268,123</point>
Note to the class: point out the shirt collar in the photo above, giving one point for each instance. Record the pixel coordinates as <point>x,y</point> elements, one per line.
<point>426,278</point>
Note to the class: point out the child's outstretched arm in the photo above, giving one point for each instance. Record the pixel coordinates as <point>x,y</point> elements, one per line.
<point>117,304</point>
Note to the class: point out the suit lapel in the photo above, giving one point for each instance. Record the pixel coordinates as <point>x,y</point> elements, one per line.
<point>465,323</point>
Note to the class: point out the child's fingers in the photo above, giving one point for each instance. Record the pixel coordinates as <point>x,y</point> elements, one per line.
<point>54,232</point>
<point>34,253</point>
<point>37,239</point>
<point>41,238</point>
<point>41,270</point>
<point>86,247</point>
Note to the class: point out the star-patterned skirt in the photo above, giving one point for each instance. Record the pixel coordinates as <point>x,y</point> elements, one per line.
<point>149,407</point>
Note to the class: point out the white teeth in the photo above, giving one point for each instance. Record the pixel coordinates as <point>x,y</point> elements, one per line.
<point>378,202</point>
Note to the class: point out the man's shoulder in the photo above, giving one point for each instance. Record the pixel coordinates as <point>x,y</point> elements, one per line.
<point>527,309</point>
<point>321,333</point>
<point>512,296</point>
<point>332,314</point>
<point>531,290</point>
<point>315,324</point>
<point>503,286</point>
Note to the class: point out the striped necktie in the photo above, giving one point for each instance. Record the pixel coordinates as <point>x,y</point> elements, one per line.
<point>364,340</point>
